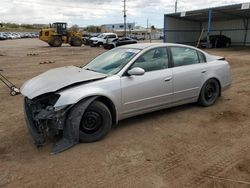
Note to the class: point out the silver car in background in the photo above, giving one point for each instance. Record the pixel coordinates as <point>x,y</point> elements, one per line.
<point>83,103</point>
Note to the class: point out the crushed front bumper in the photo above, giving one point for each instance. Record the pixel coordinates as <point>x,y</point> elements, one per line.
<point>38,137</point>
<point>43,122</point>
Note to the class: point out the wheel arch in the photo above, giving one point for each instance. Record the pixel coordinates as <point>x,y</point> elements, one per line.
<point>107,101</point>
<point>215,78</point>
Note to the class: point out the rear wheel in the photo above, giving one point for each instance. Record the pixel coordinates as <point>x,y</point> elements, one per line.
<point>95,123</point>
<point>209,93</point>
<point>56,42</point>
<point>75,41</point>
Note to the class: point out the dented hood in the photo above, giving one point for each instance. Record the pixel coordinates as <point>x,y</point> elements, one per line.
<point>56,79</point>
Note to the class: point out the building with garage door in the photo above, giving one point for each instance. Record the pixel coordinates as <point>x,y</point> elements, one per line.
<point>188,27</point>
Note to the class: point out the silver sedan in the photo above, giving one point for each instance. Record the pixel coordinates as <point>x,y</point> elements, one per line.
<point>82,103</point>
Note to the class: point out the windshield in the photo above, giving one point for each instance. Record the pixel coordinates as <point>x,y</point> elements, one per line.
<point>100,36</point>
<point>112,61</point>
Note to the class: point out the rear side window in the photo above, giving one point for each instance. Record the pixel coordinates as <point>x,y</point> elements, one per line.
<point>184,56</point>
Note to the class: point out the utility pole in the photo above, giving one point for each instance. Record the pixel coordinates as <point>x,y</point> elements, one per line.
<point>176,4</point>
<point>125,17</point>
<point>147,31</point>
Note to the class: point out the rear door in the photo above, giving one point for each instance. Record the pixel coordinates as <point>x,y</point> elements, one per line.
<point>153,89</point>
<point>189,70</point>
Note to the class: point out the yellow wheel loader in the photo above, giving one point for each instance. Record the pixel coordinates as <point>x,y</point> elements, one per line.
<point>57,34</point>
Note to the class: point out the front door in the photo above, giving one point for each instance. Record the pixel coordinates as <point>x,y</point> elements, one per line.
<point>151,90</point>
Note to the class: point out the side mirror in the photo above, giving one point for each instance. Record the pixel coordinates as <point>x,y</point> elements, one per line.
<point>137,71</point>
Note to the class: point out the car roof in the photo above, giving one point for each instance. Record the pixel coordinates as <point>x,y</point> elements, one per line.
<point>143,46</point>
<point>109,33</point>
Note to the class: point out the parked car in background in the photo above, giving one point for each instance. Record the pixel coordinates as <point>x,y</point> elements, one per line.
<point>216,41</point>
<point>18,35</point>
<point>3,36</point>
<point>112,43</point>
<point>101,39</point>
<point>126,81</point>
<point>85,39</point>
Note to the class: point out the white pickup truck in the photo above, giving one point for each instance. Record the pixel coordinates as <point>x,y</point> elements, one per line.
<point>102,38</point>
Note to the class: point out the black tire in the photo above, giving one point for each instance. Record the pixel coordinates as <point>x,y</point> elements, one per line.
<point>50,44</point>
<point>75,41</point>
<point>99,44</point>
<point>111,46</point>
<point>95,123</point>
<point>56,41</point>
<point>210,92</point>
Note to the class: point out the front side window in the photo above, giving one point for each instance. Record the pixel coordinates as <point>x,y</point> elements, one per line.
<point>152,60</point>
<point>111,36</point>
<point>112,61</point>
<point>184,56</point>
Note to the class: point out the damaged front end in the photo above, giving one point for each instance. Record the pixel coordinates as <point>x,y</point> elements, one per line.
<point>43,120</point>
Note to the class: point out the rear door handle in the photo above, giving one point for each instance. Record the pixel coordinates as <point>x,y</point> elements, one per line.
<point>203,71</point>
<point>168,79</point>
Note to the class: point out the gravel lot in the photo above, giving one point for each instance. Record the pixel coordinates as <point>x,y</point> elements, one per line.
<point>187,146</point>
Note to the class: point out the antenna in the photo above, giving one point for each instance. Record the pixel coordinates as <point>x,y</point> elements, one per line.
<point>125,17</point>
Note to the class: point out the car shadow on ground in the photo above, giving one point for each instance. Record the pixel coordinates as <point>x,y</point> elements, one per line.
<point>154,115</point>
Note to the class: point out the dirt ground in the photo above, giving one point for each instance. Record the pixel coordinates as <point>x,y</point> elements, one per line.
<point>187,146</point>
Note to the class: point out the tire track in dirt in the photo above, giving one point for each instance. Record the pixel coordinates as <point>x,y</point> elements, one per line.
<point>205,152</point>
<point>222,161</point>
<point>167,162</point>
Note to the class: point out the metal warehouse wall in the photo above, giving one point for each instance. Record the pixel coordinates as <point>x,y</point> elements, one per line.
<point>231,28</point>
<point>181,31</point>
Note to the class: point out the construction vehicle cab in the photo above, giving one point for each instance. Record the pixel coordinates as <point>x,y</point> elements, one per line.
<point>61,28</point>
<point>58,33</point>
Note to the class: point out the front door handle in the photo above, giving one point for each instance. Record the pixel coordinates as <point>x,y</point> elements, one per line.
<point>168,79</point>
<point>203,71</point>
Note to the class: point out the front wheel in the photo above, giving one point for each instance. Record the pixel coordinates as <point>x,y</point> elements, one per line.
<point>75,41</point>
<point>209,93</point>
<point>95,123</point>
<point>56,42</point>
